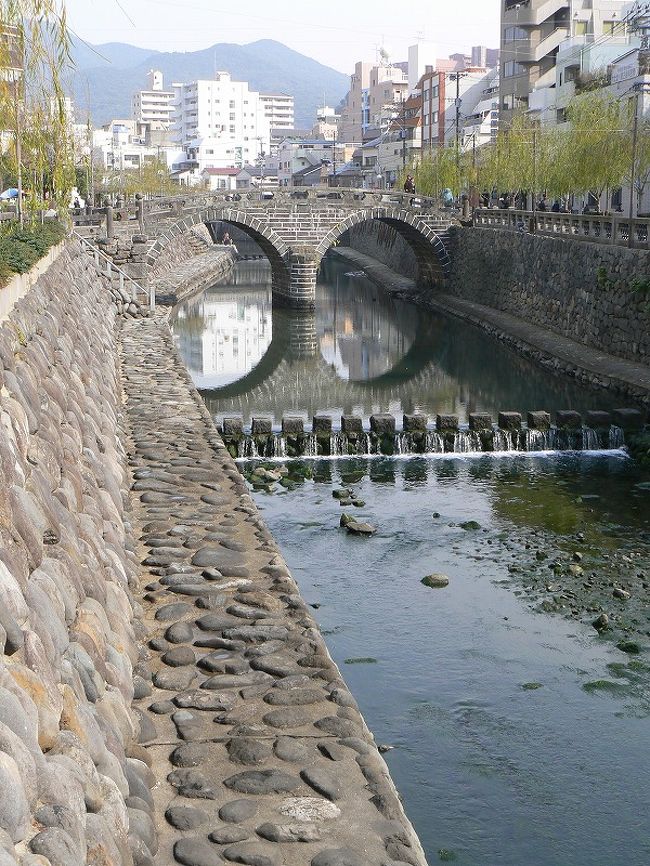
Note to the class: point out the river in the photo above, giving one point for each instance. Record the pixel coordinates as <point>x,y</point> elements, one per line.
<point>518,730</point>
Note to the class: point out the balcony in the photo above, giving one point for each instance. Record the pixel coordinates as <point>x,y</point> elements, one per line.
<point>526,16</point>
<point>535,53</point>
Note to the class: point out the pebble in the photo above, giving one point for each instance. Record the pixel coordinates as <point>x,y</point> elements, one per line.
<point>189,755</point>
<point>323,781</point>
<point>237,811</point>
<point>309,809</point>
<point>186,817</point>
<point>262,782</point>
<point>288,832</point>
<point>253,854</point>
<point>196,851</point>
<point>229,835</point>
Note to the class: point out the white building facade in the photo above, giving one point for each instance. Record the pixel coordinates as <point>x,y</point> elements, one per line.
<point>154,106</point>
<point>219,123</point>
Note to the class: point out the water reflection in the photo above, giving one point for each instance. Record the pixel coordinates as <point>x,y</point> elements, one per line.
<point>361,351</point>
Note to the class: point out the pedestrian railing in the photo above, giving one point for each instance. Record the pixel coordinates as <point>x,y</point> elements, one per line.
<point>106,267</point>
<point>597,228</point>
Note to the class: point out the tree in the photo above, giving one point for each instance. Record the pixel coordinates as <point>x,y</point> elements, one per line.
<point>34,51</point>
<point>598,143</point>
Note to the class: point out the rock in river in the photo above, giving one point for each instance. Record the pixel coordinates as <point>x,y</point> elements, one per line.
<point>435,581</point>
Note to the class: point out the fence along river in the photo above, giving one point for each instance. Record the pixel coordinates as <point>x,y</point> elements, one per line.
<point>514,722</point>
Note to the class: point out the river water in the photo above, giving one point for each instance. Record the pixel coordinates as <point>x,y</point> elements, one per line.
<point>520,733</point>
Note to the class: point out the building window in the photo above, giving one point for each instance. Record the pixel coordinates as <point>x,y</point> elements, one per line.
<point>511,68</point>
<point>512,34</point>
<point>580,28</point>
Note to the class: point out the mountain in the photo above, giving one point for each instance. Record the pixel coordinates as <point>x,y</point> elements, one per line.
<point>267,66</point>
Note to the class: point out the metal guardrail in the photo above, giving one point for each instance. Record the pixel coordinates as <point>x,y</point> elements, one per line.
<point>596,228</point>
<point>110,267</point>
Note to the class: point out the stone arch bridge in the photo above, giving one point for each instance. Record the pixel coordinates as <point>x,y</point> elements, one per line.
<point>295,228</point>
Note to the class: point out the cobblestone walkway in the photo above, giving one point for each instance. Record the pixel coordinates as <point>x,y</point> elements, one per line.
<point>551,350</point>
<point>259,752</point>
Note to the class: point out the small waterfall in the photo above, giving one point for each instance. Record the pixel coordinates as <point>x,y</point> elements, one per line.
<point>616,437</point>
<point>538,440</point>
<point>590,439</point>
<point>247,448</point>
<point>434,443</point>
<point>311,447</point>
<point>466,442</point>
<point>504,440</point>
<point>340,444</point>
<point>279,446</point>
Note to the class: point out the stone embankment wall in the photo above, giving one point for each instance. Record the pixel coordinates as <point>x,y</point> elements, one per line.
<point>128,250</point>
<point>74,783</point>
<point>181,248</point>
<point>193,276</point>
<point>580,290</point>
<point>383,243</point>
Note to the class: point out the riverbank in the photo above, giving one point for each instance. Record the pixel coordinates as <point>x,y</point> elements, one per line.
<point>550,350</point>
<point>188,278</point>
<point>256,742</point>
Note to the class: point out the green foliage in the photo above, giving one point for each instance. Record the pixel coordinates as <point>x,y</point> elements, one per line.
<point>35,52</point>
<point>641,285</point>
<point>603,278</point>
<point>591,153</point>
<point>21,248</point>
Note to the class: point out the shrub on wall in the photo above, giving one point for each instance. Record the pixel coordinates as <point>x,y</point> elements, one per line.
<point>21,248</point>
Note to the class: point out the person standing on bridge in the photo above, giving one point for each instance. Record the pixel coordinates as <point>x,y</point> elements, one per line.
<point>409,183</point>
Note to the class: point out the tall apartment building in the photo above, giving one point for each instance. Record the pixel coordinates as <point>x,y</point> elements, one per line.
<point>219,123</point>
<point>473,119</point>
<point>278,110</point>
<point>485,57</point>
<point>155,105</point>
<point>532,32</point>
<point>355,116</point>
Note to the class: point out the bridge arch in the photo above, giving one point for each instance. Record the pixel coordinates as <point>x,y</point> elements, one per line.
<point>273,246</point>
<point>295,235</point>
<point>428,246</point>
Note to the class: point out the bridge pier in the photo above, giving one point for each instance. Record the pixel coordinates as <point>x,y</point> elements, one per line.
<point>303,341</point>
<point>298,289</point>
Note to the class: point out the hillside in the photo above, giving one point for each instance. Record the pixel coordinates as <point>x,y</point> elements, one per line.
<point>267,65</point>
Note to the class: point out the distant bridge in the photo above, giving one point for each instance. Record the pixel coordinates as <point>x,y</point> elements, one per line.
<point>296,227</point>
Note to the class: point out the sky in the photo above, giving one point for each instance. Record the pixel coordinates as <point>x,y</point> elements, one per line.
<point>335,33</point>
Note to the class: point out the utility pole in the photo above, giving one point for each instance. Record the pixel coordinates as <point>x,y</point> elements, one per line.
<point>635,138</point>
<point>533,226</point>
<point>334,161</point>
<point>403,135</point>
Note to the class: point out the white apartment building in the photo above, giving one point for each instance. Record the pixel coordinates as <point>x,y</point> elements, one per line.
<point>532,32</point>
<point>116,147</point>
<point>327,123</point>
<point>154,106</point>
<point>219,123</point>
<point>278,110</point>
<point>480,121</point>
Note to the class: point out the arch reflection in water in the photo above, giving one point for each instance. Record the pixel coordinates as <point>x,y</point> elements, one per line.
<point>360,352</point>
<point>223,334</point>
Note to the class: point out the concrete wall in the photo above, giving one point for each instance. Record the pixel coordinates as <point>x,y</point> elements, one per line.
<point>74,785</point>
<point>583,291</point>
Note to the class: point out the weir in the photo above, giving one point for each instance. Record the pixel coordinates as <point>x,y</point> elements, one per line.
<point>417,436</point>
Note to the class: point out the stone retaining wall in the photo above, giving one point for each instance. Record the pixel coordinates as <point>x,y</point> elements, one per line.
<point>181,248</point>
<point>194,275</point>
<point>74,783</point>
<point>583,291</point>
<point>383,243</point>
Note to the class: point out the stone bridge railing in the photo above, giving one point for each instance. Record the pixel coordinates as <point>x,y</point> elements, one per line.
<point>579,227</point>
